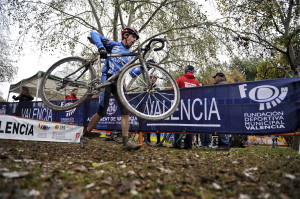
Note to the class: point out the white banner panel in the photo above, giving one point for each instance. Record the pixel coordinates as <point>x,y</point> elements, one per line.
<point>16,128</point>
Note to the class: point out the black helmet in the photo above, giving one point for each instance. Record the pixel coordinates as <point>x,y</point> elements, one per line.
<point>130,30</point>
<point>190,69</point>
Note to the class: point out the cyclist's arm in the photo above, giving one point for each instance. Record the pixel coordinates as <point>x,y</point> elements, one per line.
<point>101,41</point>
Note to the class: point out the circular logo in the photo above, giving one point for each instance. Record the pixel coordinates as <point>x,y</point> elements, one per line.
<point>265,93</point>
<point>56,127</point>
<point>112,108</point>
<point>77,135</point>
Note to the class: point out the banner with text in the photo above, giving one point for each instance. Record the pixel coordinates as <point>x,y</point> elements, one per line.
<point>256,107</point>
<point>16,128</point>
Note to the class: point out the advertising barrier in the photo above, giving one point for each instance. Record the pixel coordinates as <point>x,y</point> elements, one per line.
<point>15,128</point>
<point>253,108</point>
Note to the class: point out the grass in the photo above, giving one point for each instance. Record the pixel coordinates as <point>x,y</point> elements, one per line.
<point>103,170</point>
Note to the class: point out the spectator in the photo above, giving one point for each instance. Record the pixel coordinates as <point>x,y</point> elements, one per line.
<point>186,81</point>
<point>197,140</point>
<point>205,140</point>
<point>73,95</point>
<point>153,79</point>
<point>224,143</point>
<point>24,95</point>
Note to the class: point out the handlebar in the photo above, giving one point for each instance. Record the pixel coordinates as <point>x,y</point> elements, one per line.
<point>146,49</point>
<point>161,40</point>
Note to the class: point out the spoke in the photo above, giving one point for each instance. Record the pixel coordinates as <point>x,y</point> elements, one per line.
<point>146,105</point>
<point>135,97</point>
<point>164,96</point>
<point>160,101</point>
<point>165,88</point>
<point>140,102</point>
<point>129,90</point>
<point>139,79</point>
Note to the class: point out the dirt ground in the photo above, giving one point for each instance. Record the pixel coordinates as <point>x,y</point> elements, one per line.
<point>63,170</point>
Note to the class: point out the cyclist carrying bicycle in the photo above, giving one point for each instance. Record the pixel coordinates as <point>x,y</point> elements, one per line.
<point>112,65</point>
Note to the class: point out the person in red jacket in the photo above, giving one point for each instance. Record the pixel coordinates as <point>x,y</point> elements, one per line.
<point>73,95</point>
<point>186,81</point>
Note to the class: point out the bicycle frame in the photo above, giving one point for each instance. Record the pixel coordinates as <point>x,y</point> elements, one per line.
<point>135,88</point>
<point>137,56</point>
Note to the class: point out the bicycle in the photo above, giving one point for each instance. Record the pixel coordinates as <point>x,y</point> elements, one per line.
<point>134,89</point>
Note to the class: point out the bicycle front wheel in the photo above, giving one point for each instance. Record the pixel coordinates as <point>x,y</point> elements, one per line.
<point>145,98</point>
<point>61,79</point>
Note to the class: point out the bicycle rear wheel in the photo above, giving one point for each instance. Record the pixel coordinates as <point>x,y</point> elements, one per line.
<point>61,78</point>
<point>144,99</point>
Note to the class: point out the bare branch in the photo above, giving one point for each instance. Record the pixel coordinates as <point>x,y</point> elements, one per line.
<point>99,29</point>
<point>153,14</point>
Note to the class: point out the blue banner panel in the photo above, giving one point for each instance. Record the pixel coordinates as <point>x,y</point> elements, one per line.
<point>256,107</point>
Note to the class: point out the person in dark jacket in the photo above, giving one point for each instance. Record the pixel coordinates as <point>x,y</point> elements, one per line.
<point>153,79</point>
<point>23,98</point>
<point>24,95</point>
<point>224,143</point>
<point>186,81</point>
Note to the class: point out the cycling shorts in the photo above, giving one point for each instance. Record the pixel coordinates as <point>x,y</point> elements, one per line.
<point>103,105</point>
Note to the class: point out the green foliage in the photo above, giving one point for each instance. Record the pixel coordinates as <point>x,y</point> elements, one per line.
<point>246,66</point>
<point>267,25</point>
<point>235,76</point>
<point>272,68</point>
<point>2,99</point>
<point>64,26</point>
<point>7,70</point>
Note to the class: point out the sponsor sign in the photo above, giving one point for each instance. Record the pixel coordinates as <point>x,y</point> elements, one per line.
<point>253,108</point>
<point>257,107</point>
<point>16,128</point>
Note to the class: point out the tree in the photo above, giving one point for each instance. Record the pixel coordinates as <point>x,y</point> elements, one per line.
<point>65,25</point>
<point>1,98</point>
<point>273,68</point>
<point>246,66</point>
<point>7,70</point>
<point>270,26</point>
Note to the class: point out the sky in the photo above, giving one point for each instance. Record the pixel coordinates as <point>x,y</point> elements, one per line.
<point>33,61</point>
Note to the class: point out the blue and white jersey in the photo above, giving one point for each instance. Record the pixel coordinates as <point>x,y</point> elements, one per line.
<point>112,64</point>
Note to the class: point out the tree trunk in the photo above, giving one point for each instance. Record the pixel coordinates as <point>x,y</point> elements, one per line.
<point>296,141</point>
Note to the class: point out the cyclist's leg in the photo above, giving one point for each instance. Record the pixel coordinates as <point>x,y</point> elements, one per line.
<point>125,124</point>
<point>94,121</point>
<point>102,109</point>
<point>96,117</point>
<point>124,121</point>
